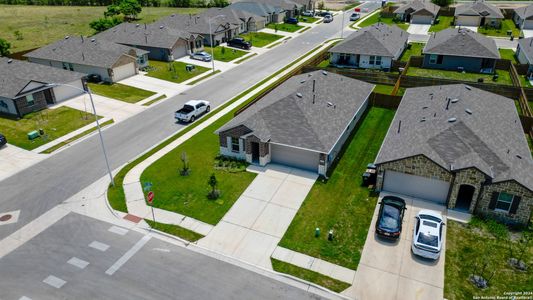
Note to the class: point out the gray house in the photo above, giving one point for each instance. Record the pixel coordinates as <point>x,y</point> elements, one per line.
<point>302,123</point>
<point>418,12</point>
<point>112,61</point>
<point>460,49</point>
<point>285,8</point>
<point>244,20</point>
<point>372,47</point>
<point>461,147</point>
<point>478,13</point>
<point>524,53</point>
<point>24,86</point>
<point>271,13</point>
<point>523,17</point>
<point>161,42</point>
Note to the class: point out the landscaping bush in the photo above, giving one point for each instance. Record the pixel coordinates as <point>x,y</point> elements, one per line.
<point>229,164</point>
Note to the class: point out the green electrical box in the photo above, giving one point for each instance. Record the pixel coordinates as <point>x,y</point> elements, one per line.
<point>33,135</point>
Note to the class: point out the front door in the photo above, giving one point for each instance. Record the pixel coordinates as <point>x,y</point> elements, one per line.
<point>464,197</point>
<point>48,96</point>
<point>255,152</point>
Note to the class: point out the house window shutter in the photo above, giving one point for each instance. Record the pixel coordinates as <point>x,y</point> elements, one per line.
<point>514,205</point>
<point>493,200</point>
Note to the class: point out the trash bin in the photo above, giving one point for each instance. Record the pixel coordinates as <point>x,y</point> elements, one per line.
<point>41,131</point>
<point>33,135</point>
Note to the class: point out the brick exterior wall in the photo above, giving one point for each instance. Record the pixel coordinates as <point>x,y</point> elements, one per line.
<point>470,176</point>
<point>263,147</point>
<point>39,104</point>
<point>523,213</point>
<point>233,132</point>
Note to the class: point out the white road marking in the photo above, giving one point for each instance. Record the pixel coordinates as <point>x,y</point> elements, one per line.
<point>99,246</point>
<point>118,230</point>
<point>161,249</point>
<point>121,261</point>
<point>24,298</point>
<point>80,263</point>
<point>54,281</point>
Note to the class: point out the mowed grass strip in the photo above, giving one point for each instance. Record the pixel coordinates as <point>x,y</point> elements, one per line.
<point>76,137</point>
<point>260,39</point>
<point>225,54</point>
<point>174,71</point>
<point>176,230</point>
<point>504,77</point>
<point>120,92</point>
<point>341,203</point>
<point>55,123</point>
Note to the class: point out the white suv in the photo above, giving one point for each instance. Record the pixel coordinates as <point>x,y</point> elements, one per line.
<point>427,234</point>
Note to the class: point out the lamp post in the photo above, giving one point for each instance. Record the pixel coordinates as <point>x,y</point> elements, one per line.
<point>212,46</point>
<point>342,24</point>
<point>97,124</point>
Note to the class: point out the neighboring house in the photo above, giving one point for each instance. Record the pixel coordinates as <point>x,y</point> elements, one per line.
<point>112,61</point>
<point>524,54</point>
<point>285,8</point>
<point>245,20</point>
<point>461,147</point>
<point>523,17</point>
<point>478,13</point>
<point>24,86</point>
<point>418,12</point>
<point>460,49</point>
<point>372,47</point>
<point>303,123</point>
<point>269,12</point>
<point>161,42</point>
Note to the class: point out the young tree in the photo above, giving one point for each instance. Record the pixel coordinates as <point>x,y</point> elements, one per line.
<point>185,161</point>
<point>213,183</point>
<point>4,47</point>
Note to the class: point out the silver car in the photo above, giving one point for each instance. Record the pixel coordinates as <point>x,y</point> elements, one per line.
<point>427,234</point>
<point>203,56</point>
<point>328,18</point>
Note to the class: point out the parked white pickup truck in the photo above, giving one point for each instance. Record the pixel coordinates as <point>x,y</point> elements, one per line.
<point>192,110</point>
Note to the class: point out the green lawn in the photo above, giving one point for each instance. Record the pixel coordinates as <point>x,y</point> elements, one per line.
<point>444,22</point>
<point>341,203</point>
<point>284,27</point>
<point>415,49</point>
<point>508,54</point>
<point>55,123</point>
<point>467,245</point>
<point>41,25</point>
<point>387,89</point>
<point>507,24</point>
<point>260,39</point>
<point>225,54</point>
<point>524,81</point>
<point>305,19</point>
<point>120,92</point>
<point>173,71</point>
<point>377,18</point>
<point>176,230</point>
<point>314,277</point>
<point>504,76</point>
<point>518,108</point>
<point>76,137</point>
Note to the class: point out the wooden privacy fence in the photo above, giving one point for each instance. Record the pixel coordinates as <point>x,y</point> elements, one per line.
<point>384,101</point>
<point>375,77</point>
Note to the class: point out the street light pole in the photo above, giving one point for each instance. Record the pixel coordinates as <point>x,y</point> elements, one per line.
<point>212,42</point>
<point>342,24</point>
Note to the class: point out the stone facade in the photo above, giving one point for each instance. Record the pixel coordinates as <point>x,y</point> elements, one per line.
<point>236,132</point>
<point>39,103</point>
<point>470,176</point>
<point>523,211</point>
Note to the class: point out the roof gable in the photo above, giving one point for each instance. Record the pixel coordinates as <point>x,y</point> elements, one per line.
<point>479,8</point>
<point>461,42</point>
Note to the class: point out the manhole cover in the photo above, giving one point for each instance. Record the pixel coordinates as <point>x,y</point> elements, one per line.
<point>5,218</point>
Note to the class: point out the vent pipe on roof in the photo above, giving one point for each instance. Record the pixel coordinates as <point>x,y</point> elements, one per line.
<point>93,40</point>
<point>313,85</point>
<point>518,156</point>
<point>399,126</point>
<point>82,56</point>
<point>451,120</point>
<point>448,104</point>
<point>81,36</point>
<point>299,95</point>
<point>468,111</point>
<point>9,61</point>
<point>313,98</point>
<point>66,37</point>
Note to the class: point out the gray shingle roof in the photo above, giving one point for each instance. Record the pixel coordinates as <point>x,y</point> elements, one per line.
<point>489,138</point>
<point>198,24</point>
<point>279,4</point>
<point>283,117</point>
<point>479,8</point>
<point>418,5</point>
<point>232,15</point>
<point>378,39</point>
<point>85,51</point>
<point>526,46</point>
<point>525,12</point>
<point>461,42</point>
<point>260,9</point>
<point>15,75</point>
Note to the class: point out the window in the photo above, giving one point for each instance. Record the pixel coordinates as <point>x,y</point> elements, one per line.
<point>372,60</point>
<point>378,60</point>
<point>235,147</point>
<point>65,66</point>
<point>504,201</point>
<point>433,59</point>
<point>29,100</point>
<point>70,67</point>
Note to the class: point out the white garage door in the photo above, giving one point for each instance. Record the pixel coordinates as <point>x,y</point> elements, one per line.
<point>63,92</point>
<point>416,186</point>
<point>418,19</point>
<point>528,24</point>
<point>294,157</point>
<point>124,71</point>
<point>467,21</point>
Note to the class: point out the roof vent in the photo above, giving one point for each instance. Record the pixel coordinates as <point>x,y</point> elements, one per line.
<point>324,72</point>
<point>329,104</point>
<point>468,88</point>
<point>9,61</point>
<point>299,95</point>
<point>173,15</point>
<point>161,27</point>
<point>518,156</point>
<point>451,120</point>
<point>468,111</point>
<point>455,100</point>
<point>302,81</point>
<point>93,40</point>
<point>66,37</point>
<point>424,107</point>
<point>423,119</point>
<point>137,25</point>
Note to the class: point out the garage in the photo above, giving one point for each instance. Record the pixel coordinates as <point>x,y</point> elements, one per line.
<point>467,21</point>
<point>123,71</point>
<point>528,24</point>
<point>64,92</point>
<point>416,186</point>
<point>294,157</point>
<point>422,19</point>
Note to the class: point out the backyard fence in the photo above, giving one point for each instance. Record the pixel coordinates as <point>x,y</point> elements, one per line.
<point>376,77</point>
<point>384,101</point>
<point>447,11</point>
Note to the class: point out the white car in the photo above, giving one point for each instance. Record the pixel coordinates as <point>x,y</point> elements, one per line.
<point>328,18</point>
<point>427,234</point>
<point>308,13</point>
<point>192,110</point>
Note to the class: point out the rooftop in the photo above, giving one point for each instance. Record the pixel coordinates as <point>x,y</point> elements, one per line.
<point>479,8</point>
<point>525,12</point>
<point>461,42</point>
<point>418,5</point>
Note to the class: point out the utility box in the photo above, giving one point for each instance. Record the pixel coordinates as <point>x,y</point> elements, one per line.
<point>33,135</point>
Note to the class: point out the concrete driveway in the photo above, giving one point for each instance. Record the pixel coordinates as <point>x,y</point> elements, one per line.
<point>388,270</point>
<point>473,28</point>
<point>527,33</point>
<point>418,29</point>
<point>154,84</point>
<point>255,224</point>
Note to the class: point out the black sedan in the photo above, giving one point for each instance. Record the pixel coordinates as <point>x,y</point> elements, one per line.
<point>3,140</point>
<point>240,43</point>
<point>389,223</point>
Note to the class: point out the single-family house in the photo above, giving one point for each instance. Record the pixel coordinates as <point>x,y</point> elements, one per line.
<point>374,47</point>
<point>302,123</point>
<point>161,42</point>
<point>523,17</point>
<point>460,49</point>
<point>272,14</point>
<point>418,12</point>
<point>478,13</point>
<point>246,21</point>
<point>524,54</point>
<point>461,147</point>
<point>289,8</point>
<point>27,87</point>
<point>111,61</point>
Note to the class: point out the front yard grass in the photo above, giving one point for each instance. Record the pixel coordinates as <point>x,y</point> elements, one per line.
<point>508,54</point>
<point>504,76</point>
<point>477,243</point>
<point>377,18</point>
<point>225,54</point>
<point>414,49</point>
<point>284,27</point>
<point>341,203</point>
<point>260,39</point>
<point>305,19</point>
<point>507,24</point>
<point>173,71</point>
<point>444,22</point>
<point>55,123</point>
<point>120,92</point>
